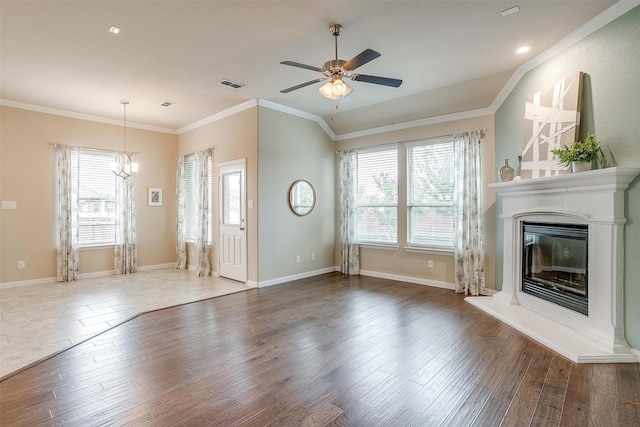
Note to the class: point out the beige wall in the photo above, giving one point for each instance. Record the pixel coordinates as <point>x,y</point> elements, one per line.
<point>292,148</point>
<point>400,262</point>
<point>232,138</point>
<point>27,170</point>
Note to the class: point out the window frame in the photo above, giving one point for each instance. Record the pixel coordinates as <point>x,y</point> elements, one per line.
<point>411,204</point>
<point>393,206</point>
<point>77,172</point>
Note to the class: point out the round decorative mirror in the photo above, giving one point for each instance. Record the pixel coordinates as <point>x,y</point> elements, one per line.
<point>302,197</point>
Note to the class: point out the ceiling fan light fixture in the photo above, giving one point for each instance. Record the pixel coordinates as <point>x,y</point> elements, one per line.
<point>335,89</point>
<point>326,89</point>
<point>339,87</point>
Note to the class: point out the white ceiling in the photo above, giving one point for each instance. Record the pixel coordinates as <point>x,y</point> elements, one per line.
<point>452,55</point>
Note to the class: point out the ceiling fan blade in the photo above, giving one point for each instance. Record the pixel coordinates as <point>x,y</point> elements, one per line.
<point>384,81</point>
<point>305,66</point>
<point>360,59</point>
<point>301,85</point>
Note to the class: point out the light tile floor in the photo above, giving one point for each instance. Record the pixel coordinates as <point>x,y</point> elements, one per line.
<point>42,319</point>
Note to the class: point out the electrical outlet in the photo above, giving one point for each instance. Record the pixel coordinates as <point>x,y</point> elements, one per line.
<point>20,265</point>
<point>430,263</point>
<point>297,258</point>
<point>313,256</point>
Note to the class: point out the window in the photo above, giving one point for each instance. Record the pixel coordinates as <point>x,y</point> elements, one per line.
<point>96,198</point>
<point>190,197</point>
<point>430,186</point>
<point>378,196</point>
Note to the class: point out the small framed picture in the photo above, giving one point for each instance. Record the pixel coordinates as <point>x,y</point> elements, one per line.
<point>155,197</point>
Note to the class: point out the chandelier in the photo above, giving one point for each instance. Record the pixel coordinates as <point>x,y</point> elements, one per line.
<point>126,168</point>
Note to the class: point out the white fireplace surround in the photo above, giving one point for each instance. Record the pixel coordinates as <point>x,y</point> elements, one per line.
<point>595,198</point>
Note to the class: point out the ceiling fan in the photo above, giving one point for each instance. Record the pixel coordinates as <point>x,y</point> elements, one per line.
<point>337,69</point>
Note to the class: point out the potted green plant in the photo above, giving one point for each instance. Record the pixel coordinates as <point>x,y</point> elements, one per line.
<point>580,155</point>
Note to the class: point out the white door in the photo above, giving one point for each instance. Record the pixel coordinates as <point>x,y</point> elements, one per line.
<point>232,256</point>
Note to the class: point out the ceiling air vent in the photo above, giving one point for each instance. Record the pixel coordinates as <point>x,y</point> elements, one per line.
<point>166,104</point>
<point>229,83</point>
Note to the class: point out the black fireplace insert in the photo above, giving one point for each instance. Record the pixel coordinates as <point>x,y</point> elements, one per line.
<point>555,263</point>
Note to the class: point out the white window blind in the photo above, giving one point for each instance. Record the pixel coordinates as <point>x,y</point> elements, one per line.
<point>96,198</point>
<point>190,198</point>
<point>378,196</point>
<point>430,186</point>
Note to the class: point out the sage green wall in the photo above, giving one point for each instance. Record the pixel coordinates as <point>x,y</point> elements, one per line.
<point>610,59</point>
<point>292,148</point>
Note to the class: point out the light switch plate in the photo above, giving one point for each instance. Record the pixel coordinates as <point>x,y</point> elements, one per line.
<point>9,205</point>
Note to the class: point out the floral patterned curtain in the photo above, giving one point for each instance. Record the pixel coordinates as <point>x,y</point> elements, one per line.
<point>201,244</point>
<point>125,259</point>
<point>181,210</point>
<point>349,212</point>
<point>67,214</point>
<point>467,199</point>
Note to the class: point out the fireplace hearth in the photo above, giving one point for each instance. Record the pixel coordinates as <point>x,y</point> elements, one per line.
<point>563,263</point>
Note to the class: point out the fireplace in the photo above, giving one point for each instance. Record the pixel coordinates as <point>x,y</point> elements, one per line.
<point>563,263</point>
<point>555,263</point>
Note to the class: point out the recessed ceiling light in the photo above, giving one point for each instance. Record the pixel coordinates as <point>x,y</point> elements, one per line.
<point>114,29</point>
<point>510,11</point>
<point>522,49</point>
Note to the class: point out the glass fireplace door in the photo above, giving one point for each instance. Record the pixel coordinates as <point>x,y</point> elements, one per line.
<point>555,263</point>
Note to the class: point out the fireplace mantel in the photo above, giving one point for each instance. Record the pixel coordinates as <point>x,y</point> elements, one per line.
<point>594,198</point>
<point>599,180</point>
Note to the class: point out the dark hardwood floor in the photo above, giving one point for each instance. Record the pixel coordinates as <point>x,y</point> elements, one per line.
<point>329,350</point>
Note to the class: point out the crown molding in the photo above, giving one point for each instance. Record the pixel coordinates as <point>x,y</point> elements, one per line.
<point>299,113</point>
<point>416,123</point>
<point>70,114</point>
<point>218,116</point>
<point>590,27</point>
<point>262,103</point>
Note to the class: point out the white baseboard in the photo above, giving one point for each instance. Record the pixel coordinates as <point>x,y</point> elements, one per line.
<point>381,275</point>
<point>28,282</point>
<point>409,279</point>
<point>157,266</point>
<point>285,279</point>
<point>81,276</point>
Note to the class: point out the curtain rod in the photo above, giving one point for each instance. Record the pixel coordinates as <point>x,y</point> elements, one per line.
<point>483,130</point>
<point>101,150</point>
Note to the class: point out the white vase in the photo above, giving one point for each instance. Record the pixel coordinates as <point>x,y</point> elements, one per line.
<point>581,166</point>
